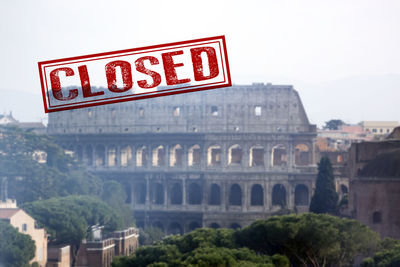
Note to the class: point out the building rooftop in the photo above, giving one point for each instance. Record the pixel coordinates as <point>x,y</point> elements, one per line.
<point>8,213</point>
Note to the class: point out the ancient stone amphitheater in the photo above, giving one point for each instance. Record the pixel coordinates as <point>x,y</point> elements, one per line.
<point>218,158</point>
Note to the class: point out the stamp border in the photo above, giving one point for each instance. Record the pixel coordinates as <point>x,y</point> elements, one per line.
<point>172,91</point>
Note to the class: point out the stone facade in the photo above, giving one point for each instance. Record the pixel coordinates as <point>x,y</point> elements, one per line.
<point>374,169</point>
<point>219,158</point>
<point>100,253</point>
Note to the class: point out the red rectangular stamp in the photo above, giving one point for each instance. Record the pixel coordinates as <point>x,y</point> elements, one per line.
<point>133,74</point>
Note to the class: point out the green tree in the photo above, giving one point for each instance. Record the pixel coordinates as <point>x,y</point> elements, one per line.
<point>333,124</point>
<point>67,219</point>
<point>202,247</point>
<point>150,235</point>
<point>325,198</point>
<point>310,239</point>
<point>387,256</point>
<point>114,195</point>
<point>16,249</point>
<point>29,180</point>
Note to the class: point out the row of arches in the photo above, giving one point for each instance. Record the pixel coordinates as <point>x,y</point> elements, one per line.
<point>100,155</point>
<point>214,196</point>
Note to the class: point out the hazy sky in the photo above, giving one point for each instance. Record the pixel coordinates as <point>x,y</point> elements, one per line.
<point>310,44</point>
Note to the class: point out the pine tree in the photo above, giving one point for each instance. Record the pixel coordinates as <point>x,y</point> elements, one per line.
<point>325,198</point>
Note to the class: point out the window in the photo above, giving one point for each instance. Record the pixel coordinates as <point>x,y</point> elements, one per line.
<point>376,217</point>
<point>257,110</point>
<point>381,130</point>
<point>177,111</point>
<point>24,227</point>
<point>214,111</point>
<point>374,130</point>
<point>214,155</point>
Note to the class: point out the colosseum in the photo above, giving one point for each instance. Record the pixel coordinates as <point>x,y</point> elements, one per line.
<point>217,158</point>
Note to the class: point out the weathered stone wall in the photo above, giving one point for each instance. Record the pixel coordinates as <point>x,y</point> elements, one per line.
<point>219,158</point>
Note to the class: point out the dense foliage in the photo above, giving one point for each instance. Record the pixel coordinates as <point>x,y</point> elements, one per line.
<point>310,239</point>
<point>114,195</point>
<point>150,235</point>
<point>30,180</point>
<point>202,247</point>
<point>387,256</point>
<point>306,240</point>
<point>325,198</point>
<point>16,249</point>
<point>333,124</point>
<point>67,219</point>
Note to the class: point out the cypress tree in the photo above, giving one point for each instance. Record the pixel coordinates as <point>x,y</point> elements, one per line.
<point>325,198</point>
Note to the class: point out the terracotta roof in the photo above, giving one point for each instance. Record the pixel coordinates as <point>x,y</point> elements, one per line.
<point>8,213</point>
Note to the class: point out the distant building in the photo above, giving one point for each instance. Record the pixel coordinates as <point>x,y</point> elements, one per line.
<point>59,256</point>
<point>100,252</point>
<point>37,127</point>
<point>341,139</point>
<point>6,119</point>
<point>379,127</point>
<point>9,212</point>
<point>374,169</point>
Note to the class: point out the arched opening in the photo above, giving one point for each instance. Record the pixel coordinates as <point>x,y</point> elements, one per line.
<point>195,194</point>
<point>344,189</point>
<point>193,226</point>
<point>257,195</point>
<point>279,195</point>
<point>301,195</point>
<point>112,156</point>
<point>89,155</point>
<point>126,156</point>
<point>194,156</point>
<point>215,226</point>
<point>176,194</point>
<point>175,229</point>
<point>256,156</point>
<point>235,155</point>
<point>159,156</point>
<point>128,191</point>
<point>159,225</point>
<point>235,195</point>
<point>79,153</point>
<point>100,153</point>
<point>279,156</point>
<point>215,195</point>
<point>302,155</point>
<point>158,194</point>
<point>141,156</point>
<point>235,226</point>
<point>176,156</point>
<point>376,217</point>
<point>140,193</point>
<point>214,155</point>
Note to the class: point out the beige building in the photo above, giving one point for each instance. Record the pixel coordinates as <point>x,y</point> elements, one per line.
<point>25,224</point>
<point>379,127</point>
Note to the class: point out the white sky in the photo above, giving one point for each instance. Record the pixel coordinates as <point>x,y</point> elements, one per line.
<point>304,43</point>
